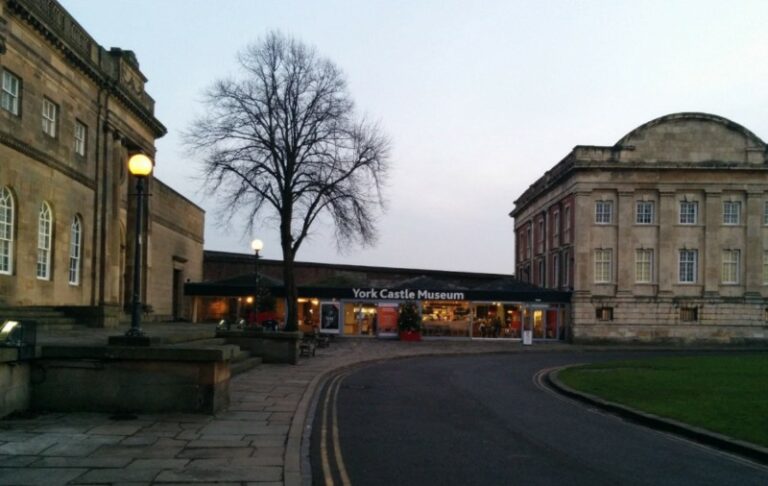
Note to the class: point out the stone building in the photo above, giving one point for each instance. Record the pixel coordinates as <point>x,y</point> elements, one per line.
<point>661,237</point>
<point>71,113</point>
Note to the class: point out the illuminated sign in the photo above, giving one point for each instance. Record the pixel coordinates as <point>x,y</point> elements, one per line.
<point>406,294</point>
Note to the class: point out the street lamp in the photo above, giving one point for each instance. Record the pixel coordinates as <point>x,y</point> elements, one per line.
<point>140,166</point>
<point>256,245</point>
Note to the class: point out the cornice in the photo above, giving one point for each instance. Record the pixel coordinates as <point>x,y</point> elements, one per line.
<point>63,33</point>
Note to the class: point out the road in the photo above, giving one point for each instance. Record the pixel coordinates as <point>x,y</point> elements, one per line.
<point>486,420</point>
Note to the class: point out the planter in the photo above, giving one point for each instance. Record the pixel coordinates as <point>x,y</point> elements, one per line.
<point>410,336</point>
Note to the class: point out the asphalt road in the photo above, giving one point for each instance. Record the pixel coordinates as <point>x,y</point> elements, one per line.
<point>485,420</point>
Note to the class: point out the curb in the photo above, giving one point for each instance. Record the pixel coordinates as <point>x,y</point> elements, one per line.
<point>719,441</point>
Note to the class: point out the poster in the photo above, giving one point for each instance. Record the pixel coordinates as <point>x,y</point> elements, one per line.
<point>387,319</point>
<point>329,317</point>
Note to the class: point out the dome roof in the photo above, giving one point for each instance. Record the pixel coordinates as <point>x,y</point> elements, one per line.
<point>691,137</point>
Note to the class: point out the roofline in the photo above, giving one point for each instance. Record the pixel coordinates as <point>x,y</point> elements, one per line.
<point>178,194</point>
<point>343,266</point>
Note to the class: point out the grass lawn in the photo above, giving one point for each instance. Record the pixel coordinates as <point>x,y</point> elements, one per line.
<point>725,394</point>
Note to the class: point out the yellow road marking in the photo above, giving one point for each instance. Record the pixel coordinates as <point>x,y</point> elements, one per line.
<point>327,474</point>
<point>336,443</point>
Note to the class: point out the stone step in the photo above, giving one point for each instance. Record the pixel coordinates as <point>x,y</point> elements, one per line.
<point>213,341</point>
<point>238,367</point>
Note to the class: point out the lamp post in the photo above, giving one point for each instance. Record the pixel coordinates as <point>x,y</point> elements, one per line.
<point>140,166</point>
<point>256,245</point>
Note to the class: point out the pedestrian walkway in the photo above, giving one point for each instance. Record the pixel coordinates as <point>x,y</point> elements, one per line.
<point>256,441</point>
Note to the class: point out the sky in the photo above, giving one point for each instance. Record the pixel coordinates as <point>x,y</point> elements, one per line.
<point>479,98</point>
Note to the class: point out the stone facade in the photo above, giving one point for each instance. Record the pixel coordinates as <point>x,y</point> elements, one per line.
<point>71,114</point>
<point>661,237</point>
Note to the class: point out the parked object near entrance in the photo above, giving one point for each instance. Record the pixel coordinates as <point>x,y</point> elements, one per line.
<point>409,322</point>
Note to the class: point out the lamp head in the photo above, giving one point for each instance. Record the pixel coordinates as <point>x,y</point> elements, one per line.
<point>257,245</point>
<point>140,165</point>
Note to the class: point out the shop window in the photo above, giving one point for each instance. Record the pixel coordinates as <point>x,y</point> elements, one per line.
<point>446,318</point>
<point>689,314</point>
<point>604,313</point>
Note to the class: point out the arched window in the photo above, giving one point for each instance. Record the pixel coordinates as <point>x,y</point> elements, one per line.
<point>44,242</point>
<point>75,249</point>
<point>6,231</point>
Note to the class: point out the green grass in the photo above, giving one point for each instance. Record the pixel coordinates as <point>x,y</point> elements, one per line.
<point>724,394</point>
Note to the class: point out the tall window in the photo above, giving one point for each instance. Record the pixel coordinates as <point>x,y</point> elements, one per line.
<point>6,231</point>
<point>644,213</point>
<point>730,271</point>
<point>556,271</point>
<point>603,212</point>
<point>688,267</point>
<point>566,270</point>
<point>765,213</point>
<point>542,273</point>
<point>529,246</point>
<point>689,212</point>
<point>643,266</point>
<point>556,228</point>
<point>44,230</point>
<point>765,268</point>
<point>540,237</point>
<point>9,95</point>
<point>49,117</point>
<point>81,134</point>
<point>731,212</point>
<point>75,246</point>
<point>603,265</point>
<point>567,224</point>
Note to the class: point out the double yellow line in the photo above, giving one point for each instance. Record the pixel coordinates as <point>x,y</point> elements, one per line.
<point>330,426</point>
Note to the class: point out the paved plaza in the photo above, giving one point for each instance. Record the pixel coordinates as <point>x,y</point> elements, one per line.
<point>257,440</point>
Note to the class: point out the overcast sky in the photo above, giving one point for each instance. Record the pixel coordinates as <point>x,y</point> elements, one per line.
<point>478,97</point>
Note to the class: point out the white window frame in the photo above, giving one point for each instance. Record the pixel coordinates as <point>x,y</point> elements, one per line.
<point>603,265</point>
<point>603,212</point>
<point>49,117</point>
<point>731,212</point>
<point>688,266</point>
<point>81,136</point>
<point>9,94</point>
<point>643,265</point>
<point>731,263</point>
<point>686,215</point>
<point>75,250</point>
<point>7,216</point>
<point>644,212</point>
<point>44,241</point>
<point>765,213</point>
<point>765,267</point>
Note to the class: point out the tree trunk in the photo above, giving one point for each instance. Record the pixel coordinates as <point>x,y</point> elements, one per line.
<point>291,294</point>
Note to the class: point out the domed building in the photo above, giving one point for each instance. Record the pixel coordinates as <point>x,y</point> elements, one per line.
<point>662,237</point>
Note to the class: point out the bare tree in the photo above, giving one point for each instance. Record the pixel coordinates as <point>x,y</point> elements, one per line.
<point>282,140</point>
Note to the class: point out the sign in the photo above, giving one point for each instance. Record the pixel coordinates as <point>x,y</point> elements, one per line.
<point>329,317</point>
<point>406,294</point>
<point>387,315</point>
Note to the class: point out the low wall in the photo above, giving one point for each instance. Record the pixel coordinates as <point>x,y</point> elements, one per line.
<point>131,379</point>
<point>14,382</point>
<point>272,347</point>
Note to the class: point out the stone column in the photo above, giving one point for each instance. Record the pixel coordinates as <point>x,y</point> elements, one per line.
<point>752,258</point>
<point>583,220</point>
<point>625,250</point>
<point>666,260</point>
<point>710,254</point>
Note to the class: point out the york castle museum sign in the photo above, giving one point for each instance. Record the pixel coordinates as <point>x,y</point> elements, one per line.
<point>406,294</point>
